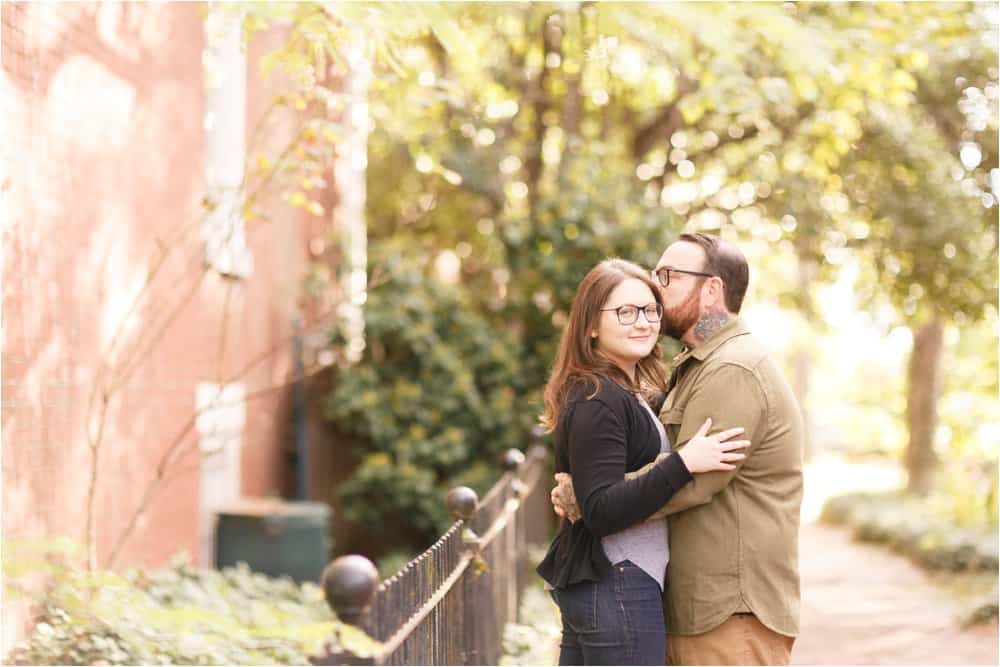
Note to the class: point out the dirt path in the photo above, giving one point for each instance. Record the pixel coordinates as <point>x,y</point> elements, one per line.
<point>863,605</point>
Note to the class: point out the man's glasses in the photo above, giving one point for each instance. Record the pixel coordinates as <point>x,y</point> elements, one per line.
<point>663,274</point>
<point>629,314</point>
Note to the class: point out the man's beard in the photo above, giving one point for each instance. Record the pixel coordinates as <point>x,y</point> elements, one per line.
<point>677,320</point>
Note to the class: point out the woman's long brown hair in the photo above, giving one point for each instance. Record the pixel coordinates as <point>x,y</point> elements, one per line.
<point>579,360</point>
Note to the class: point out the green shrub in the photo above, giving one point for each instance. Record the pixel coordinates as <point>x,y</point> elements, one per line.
<point>986,609</point>
<point>452,374</point>
<point>176,616</point>
<point>437,397</point>
<point>908,525</point>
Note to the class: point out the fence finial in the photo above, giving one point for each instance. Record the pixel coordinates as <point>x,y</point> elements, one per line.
<point>461,502</point>
<point>349,583</point>
<point>512,460</point>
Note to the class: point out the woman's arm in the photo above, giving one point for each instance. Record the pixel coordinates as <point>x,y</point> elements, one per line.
<point>702,453</point>
<point>598,452</point>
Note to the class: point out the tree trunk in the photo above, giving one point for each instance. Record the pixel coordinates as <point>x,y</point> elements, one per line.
<point>921,406</point>
<point>572,103</point>
<point>539,98</point>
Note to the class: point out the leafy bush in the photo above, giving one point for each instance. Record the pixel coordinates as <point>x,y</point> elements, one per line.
<point>176,616</point>
<point>452,374</point>
<point>985,610</point>
<point>908,525</point>
<point>438,396</point>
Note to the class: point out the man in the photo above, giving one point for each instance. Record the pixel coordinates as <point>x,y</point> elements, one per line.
<point>732,590</point>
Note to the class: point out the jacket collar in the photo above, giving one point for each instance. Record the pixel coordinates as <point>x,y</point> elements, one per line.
<point>735,327</point>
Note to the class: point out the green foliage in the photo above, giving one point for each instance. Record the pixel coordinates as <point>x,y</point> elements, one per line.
<point>911,526</point>
<point>393,562</point>
<point>534,640</point>
<point>176,616</point>
<point>969,434</point>
<point>968,405</point>
<point>987,609</point>
<point>438,395</point>
<point>591,215</point>
<point>452,376</point>
<point>525,142</point>
<point>830,129</point>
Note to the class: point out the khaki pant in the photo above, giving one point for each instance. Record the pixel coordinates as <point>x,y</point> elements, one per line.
<point>740,640</point>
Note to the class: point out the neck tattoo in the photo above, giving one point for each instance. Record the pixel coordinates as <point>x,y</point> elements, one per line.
<point>710,322</point>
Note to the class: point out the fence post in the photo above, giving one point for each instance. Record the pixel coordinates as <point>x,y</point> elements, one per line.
<point>512,461</point>
<point>462,503</point>
<point>349,583</point>
<point>534,510</point>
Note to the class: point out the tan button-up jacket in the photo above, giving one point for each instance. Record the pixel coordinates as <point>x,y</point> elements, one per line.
<point>734,534</point>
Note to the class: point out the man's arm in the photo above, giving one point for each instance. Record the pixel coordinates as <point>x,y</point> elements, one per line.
<point>742,404</point>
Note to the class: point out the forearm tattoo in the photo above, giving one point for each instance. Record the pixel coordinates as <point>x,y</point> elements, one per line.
<point>711,321</point>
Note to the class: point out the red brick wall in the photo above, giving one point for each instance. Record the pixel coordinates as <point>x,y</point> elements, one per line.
<point>104,164</point>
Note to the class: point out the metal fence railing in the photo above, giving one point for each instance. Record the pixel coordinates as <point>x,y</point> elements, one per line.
<point>449,605</point>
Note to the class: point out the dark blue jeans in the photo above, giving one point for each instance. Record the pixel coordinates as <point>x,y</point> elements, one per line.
<point>616,621</point>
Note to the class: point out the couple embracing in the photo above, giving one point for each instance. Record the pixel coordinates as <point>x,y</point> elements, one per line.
<point>680,496</point>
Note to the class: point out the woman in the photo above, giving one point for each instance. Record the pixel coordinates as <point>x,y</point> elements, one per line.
<point>606,571</point>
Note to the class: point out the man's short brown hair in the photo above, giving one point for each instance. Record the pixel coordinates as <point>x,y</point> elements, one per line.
<point>724,259</point>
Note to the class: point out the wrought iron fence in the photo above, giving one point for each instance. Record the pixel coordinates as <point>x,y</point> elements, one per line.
<point>449,605</point>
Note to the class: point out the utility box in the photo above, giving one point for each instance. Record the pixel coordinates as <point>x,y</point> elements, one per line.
<point>274,537</point>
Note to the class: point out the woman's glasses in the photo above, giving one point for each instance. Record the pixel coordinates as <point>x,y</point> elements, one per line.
<point>629,314</point>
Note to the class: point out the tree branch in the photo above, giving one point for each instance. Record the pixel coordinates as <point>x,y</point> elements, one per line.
<point>669,120</point>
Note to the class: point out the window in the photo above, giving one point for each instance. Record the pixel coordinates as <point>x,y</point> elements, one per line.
<point>225,69</point>
<point>221,415</point>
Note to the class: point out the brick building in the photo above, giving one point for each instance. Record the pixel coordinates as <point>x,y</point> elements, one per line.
<point>115,131</point>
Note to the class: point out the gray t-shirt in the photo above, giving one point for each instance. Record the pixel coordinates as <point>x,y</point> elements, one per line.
<point>646,544</point>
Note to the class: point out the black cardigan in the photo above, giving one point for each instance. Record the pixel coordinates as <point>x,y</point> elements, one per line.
<point>598,440</point>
